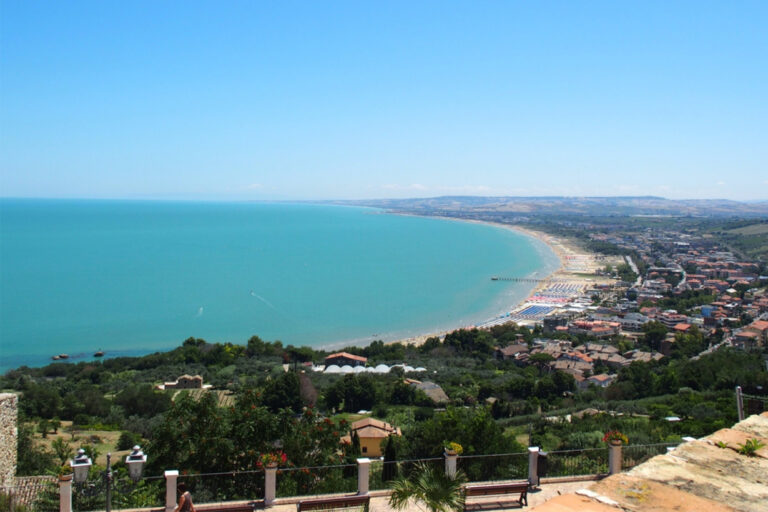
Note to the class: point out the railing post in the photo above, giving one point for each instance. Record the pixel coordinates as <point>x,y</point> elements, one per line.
<point>450,463</point>
<point>363,472</point>
<point>533,466</point>
<point>614,458</point>
<point>740,403</point>
<point>270,484</point>
<point>65,493</point>
<point>171,477</point>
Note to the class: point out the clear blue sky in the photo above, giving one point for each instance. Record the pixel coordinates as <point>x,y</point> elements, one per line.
<point>304,100</point>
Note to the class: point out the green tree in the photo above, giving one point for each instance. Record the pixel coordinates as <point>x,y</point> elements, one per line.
<point>43,426</point>
<point>143,400</point>
<point>62,449</point>
<point>31,459</point>
<point>474,429</point>
<point>541,360</point>
<point>355,392</point>
<point>389,471</point>
<point>654,333</point>
<point>128,440</point>
<point>282,392</point>
<point>194,436</point>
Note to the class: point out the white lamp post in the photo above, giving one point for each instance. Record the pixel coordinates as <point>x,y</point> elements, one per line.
<point>80,466</point>
<point>135,462</point>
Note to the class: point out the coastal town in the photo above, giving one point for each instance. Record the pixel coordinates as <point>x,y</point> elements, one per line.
<point>587,300</point>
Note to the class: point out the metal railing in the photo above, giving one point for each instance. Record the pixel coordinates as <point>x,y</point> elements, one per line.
<point>634,455</point>
<point>224,486</point>
<point>485,468</point>
<point>311,481</point>
<point>251,485</point>
<point>382,473</point>
<point>590,461</point>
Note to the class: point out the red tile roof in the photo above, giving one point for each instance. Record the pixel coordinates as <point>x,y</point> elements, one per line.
<point>348,356</point>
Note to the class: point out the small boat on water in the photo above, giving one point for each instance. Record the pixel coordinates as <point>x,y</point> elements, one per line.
<point>60,356</point>
<point>99,353</point>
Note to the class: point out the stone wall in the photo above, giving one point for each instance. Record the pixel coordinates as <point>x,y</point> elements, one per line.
<point>8,435</point>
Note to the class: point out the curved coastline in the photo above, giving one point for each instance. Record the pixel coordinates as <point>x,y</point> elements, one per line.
<point>558,246</point>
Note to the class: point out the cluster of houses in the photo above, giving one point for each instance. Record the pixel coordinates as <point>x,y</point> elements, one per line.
<point>581,361</point>
<point>676,264</point>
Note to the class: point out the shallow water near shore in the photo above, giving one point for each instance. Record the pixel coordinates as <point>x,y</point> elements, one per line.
<point>132,277</point>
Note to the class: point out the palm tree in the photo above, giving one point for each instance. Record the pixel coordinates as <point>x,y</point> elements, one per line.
<point>429,485</point>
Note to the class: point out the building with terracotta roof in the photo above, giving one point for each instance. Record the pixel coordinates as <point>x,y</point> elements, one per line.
<point>345,358</point>
<point>372,433</point>
<point>683,327</point>
<point>596,328</point>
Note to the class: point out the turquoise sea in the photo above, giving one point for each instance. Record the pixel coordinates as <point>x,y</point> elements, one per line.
<point>132,277</point>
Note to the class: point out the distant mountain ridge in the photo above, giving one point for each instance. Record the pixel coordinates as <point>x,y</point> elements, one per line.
<point>561,205</point>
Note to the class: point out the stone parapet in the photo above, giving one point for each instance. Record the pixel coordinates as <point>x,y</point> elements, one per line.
<point>8,438</point>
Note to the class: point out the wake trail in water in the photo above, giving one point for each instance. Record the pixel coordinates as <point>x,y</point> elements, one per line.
<point>269,304</point>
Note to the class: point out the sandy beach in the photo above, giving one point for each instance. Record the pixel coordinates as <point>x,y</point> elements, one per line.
<point>575,273</point>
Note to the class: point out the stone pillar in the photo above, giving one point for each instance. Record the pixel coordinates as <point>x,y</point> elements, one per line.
<point>450,463</point>
<point>533,466</point>
<point>8,438</point>
<point>65,493</point>
<point>363,473</point>
<point>270,485</point>
<point>171,477</point>
<point>614,458</point>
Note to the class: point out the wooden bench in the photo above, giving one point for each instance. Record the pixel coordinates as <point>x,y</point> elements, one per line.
<point>497,489</point>
<point>333,502</point>
<point>227,507</point>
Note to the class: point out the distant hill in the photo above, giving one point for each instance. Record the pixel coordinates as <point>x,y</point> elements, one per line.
<point>588,206</point>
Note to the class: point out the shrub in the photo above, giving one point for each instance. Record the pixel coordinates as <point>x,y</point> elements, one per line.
<point>127,440</point>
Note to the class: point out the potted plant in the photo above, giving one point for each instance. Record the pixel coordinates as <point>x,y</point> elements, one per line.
<point>272,459</point>
<point>453,448</point>
<point>615,438</point>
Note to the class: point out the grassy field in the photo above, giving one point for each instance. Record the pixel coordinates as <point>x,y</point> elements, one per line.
<point>753,229</point>
<point>105,441</point>
<point>750,240</point>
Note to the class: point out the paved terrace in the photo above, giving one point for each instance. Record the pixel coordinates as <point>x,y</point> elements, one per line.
<point>697,476</point>
<point>548,489</point>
